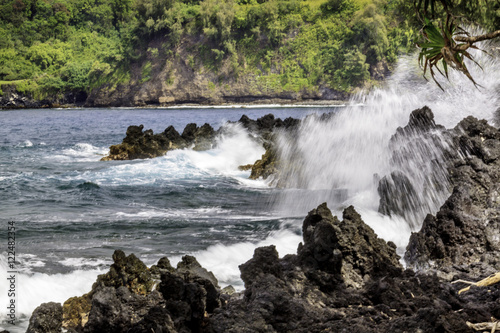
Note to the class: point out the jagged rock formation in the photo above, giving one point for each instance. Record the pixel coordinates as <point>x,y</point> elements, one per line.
<point>269,164</point>
<point>343,279</point>
<point>464,234</point>
<point>133,298</point>
<point>139,144</point>
<point>420,144</point>
<point>46,318</point>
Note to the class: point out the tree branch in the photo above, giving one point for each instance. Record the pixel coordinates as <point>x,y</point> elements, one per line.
<point>475,39</point>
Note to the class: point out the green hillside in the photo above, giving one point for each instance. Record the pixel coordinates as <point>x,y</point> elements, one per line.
<point>253,47</point>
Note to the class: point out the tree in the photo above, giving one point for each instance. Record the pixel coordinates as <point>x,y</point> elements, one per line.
<point>444,40</point>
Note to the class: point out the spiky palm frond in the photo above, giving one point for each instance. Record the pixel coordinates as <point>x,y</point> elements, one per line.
<point>439,45</point>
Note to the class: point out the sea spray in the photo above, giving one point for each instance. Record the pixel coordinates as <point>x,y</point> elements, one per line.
<point>37,288</point>
<point>341,158</point>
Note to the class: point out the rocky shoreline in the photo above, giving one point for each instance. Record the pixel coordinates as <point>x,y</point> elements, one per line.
<point>343,278</point>
<point>12,99</point>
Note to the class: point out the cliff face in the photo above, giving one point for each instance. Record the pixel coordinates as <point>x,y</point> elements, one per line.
<point>185,79</point>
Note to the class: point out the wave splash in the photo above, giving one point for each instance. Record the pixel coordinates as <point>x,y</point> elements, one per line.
<point>340,158</point>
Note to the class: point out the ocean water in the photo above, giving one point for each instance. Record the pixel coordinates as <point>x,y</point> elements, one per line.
<point>71,211</point>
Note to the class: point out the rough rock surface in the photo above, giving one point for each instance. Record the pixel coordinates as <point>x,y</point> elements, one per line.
<point>343,279</point>
<point>140,144</point>
<point>133,298</point>
<point>47,318</point>
<point>421,142</point>
<point>464,234</point>
<point>126,271</point>
<point>311,292</point>
<point>10,98</point>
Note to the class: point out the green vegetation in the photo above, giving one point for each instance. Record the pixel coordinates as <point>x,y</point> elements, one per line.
<point>49,47</point>
<point>443,40</point>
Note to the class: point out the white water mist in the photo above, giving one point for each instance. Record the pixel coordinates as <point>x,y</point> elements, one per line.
<point>340,159</point>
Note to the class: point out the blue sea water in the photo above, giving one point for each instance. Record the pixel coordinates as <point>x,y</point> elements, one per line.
<point>71,211</point>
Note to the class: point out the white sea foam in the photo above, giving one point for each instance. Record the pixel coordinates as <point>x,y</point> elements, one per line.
<point>194,212</point>
<point>223,260</point>
<point>234,148</point>
<point>80,152</point>
<point>35,289</point>
<point>85,262</point>
<point>25,144</point>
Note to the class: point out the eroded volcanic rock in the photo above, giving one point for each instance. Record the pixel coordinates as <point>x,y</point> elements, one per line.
<point>343,279</point>
<point>314,290</point>
<point>139,144</point>
<point>46,318</point>
<point>464,234</point>
<point>420,144</point>
<point>133,298</point>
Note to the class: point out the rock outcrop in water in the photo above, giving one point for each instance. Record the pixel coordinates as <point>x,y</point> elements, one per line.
<point>140,144</point>
<point>343,277</point>
<point>420,144</point>
<point>133,298</point>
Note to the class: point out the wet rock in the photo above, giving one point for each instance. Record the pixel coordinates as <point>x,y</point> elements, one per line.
<point>204,137</point>
<point>76,312</point>
<point>119,309</point>
<point>266,122</point>
<point>267,166</point>
<point>127,271</point>
<point>123,300</point>
<point>47,318</point>
<point>397,195</point>
<point>405,191</point>
<point>189,132</point>
<point>463,235</point>
<point>308,292</point>
<point>192,271</point>
<point>139,145</point>
<point>176,140</point>
<point>343,279</point>
<point>162,266</point>
<point>348,249</point>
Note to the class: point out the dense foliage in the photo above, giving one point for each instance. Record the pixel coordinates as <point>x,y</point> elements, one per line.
<point>445,40</point>
<point>54,46</point>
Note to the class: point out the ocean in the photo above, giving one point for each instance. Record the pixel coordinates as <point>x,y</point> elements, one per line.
<point>71,211</point>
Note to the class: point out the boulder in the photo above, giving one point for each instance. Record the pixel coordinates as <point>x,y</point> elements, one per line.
<point>127,271</point>
<point>76,312</point>
<point>47,318</point>
<point>139,145</point>
<point>349,250</point>
<point>125,300</point>
<point>204,137</point>
<point>119,309</point>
